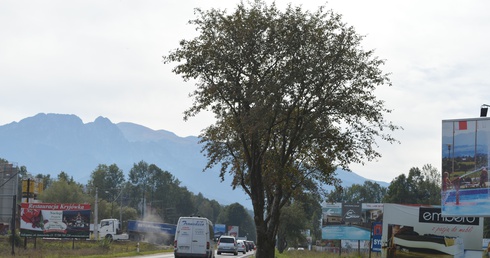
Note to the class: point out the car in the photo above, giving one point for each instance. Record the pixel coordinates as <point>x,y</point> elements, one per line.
<point>291,249</point>
<point>251,245</point>
<point>227,244</point>
<point>241,246</point>
<point>301,249</point>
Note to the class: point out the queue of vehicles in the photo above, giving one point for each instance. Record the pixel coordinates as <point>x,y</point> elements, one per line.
<point>191,237</point>
<point>194,237</point>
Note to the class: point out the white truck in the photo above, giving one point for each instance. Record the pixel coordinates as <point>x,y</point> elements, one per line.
<point>194,237</point>
<point>111,230</point>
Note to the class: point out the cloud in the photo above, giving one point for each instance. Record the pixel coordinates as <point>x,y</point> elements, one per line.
<point>104,58</point>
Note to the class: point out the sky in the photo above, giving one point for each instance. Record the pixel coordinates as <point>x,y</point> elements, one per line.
<point>96,58</point>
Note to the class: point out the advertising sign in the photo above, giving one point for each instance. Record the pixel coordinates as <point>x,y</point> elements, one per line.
<point>351,213</point>
<point>60,220</point>
<point>331,213</point>
<point>233,231</point>
<point>377,233</point>
<point>465,150</point>
<point>423,229</point>
<point>348,221</point>
<point>372,213</point>
<point>219,230</point>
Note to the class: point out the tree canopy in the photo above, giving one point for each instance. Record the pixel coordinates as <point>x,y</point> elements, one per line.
<point>293,96</point>
<point>236,215</point>
<point>421,186</point>
<point>369,192</point>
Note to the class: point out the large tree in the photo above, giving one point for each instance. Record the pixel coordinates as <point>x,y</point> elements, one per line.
<point>108,179</point>
<point>293,96</point>
<point>65,190</point>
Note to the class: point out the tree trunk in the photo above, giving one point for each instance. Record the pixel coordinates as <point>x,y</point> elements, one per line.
<point>266,235</point>
<point>265,245</point>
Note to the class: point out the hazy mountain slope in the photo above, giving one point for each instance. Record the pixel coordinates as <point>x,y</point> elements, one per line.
<point>51,143</point>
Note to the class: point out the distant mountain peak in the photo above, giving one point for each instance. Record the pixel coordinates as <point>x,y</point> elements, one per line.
<point>51,143</point>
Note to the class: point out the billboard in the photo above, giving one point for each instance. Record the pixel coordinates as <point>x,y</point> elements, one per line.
<point>372,213</point>
<point>331,213</point>
<point>59,220</point>
<point>348,221</point>
<point>233,231</point>
<point>423,230</point>
<point>465,151</point>
<point>219,230</point>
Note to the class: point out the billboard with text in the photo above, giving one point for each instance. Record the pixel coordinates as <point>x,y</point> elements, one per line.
<point>58,220</point>
<point>423,230</point>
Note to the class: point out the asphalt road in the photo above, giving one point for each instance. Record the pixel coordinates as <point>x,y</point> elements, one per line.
<point>171,255</point>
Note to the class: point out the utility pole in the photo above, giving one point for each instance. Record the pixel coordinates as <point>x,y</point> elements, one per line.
<point>12,222</point>
<point>120,206</point>
<point>96,211</point>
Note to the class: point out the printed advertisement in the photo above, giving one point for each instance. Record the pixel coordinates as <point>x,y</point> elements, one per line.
<point>59,220</point>
<point>233,231</point>
<point>465,150</point>
<point>349,221</point>
<point>351,212</point>
<point>423,230</point>
<point>219,230</point>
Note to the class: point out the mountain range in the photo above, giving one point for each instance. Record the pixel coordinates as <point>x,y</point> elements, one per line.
<point>52,143</point>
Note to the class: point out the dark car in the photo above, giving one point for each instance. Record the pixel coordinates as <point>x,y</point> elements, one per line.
<point>251,245</point>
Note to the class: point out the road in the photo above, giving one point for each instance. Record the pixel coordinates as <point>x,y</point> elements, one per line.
<point>171,255</point>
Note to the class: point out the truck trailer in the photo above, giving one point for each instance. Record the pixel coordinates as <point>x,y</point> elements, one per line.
<point>152,232</point>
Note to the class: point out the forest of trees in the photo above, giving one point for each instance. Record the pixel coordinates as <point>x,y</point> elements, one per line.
<point>147,192</point>
<point>166,199</point>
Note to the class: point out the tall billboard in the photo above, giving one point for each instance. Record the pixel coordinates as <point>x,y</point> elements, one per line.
<point>465,160</point>
<point>59,220</point>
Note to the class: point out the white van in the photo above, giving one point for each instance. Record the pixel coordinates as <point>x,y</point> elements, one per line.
<point>194,237</point>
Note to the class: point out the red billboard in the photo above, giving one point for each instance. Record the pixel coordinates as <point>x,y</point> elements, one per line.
<point>59,220</point>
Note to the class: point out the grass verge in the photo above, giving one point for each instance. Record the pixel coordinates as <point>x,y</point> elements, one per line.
<point>57,248</point>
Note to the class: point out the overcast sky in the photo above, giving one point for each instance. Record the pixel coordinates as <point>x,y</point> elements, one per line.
<point>104,58</point>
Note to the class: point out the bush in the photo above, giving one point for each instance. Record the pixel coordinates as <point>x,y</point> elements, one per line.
<point>17,239</point>
<point>105,243</point>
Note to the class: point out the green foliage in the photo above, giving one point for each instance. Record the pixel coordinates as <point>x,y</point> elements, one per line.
<point>300,216</point>
<point>108,179</point>
<point>63,191</point>
<point>421,186</point>
<point>236,215</point>
<point>293,223</point>
<point>105,243</point>
<point>16,237</point>
<point>369,192</point>
<point>45,179</point>
<point>165,199</point>
<point>292,94</point>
